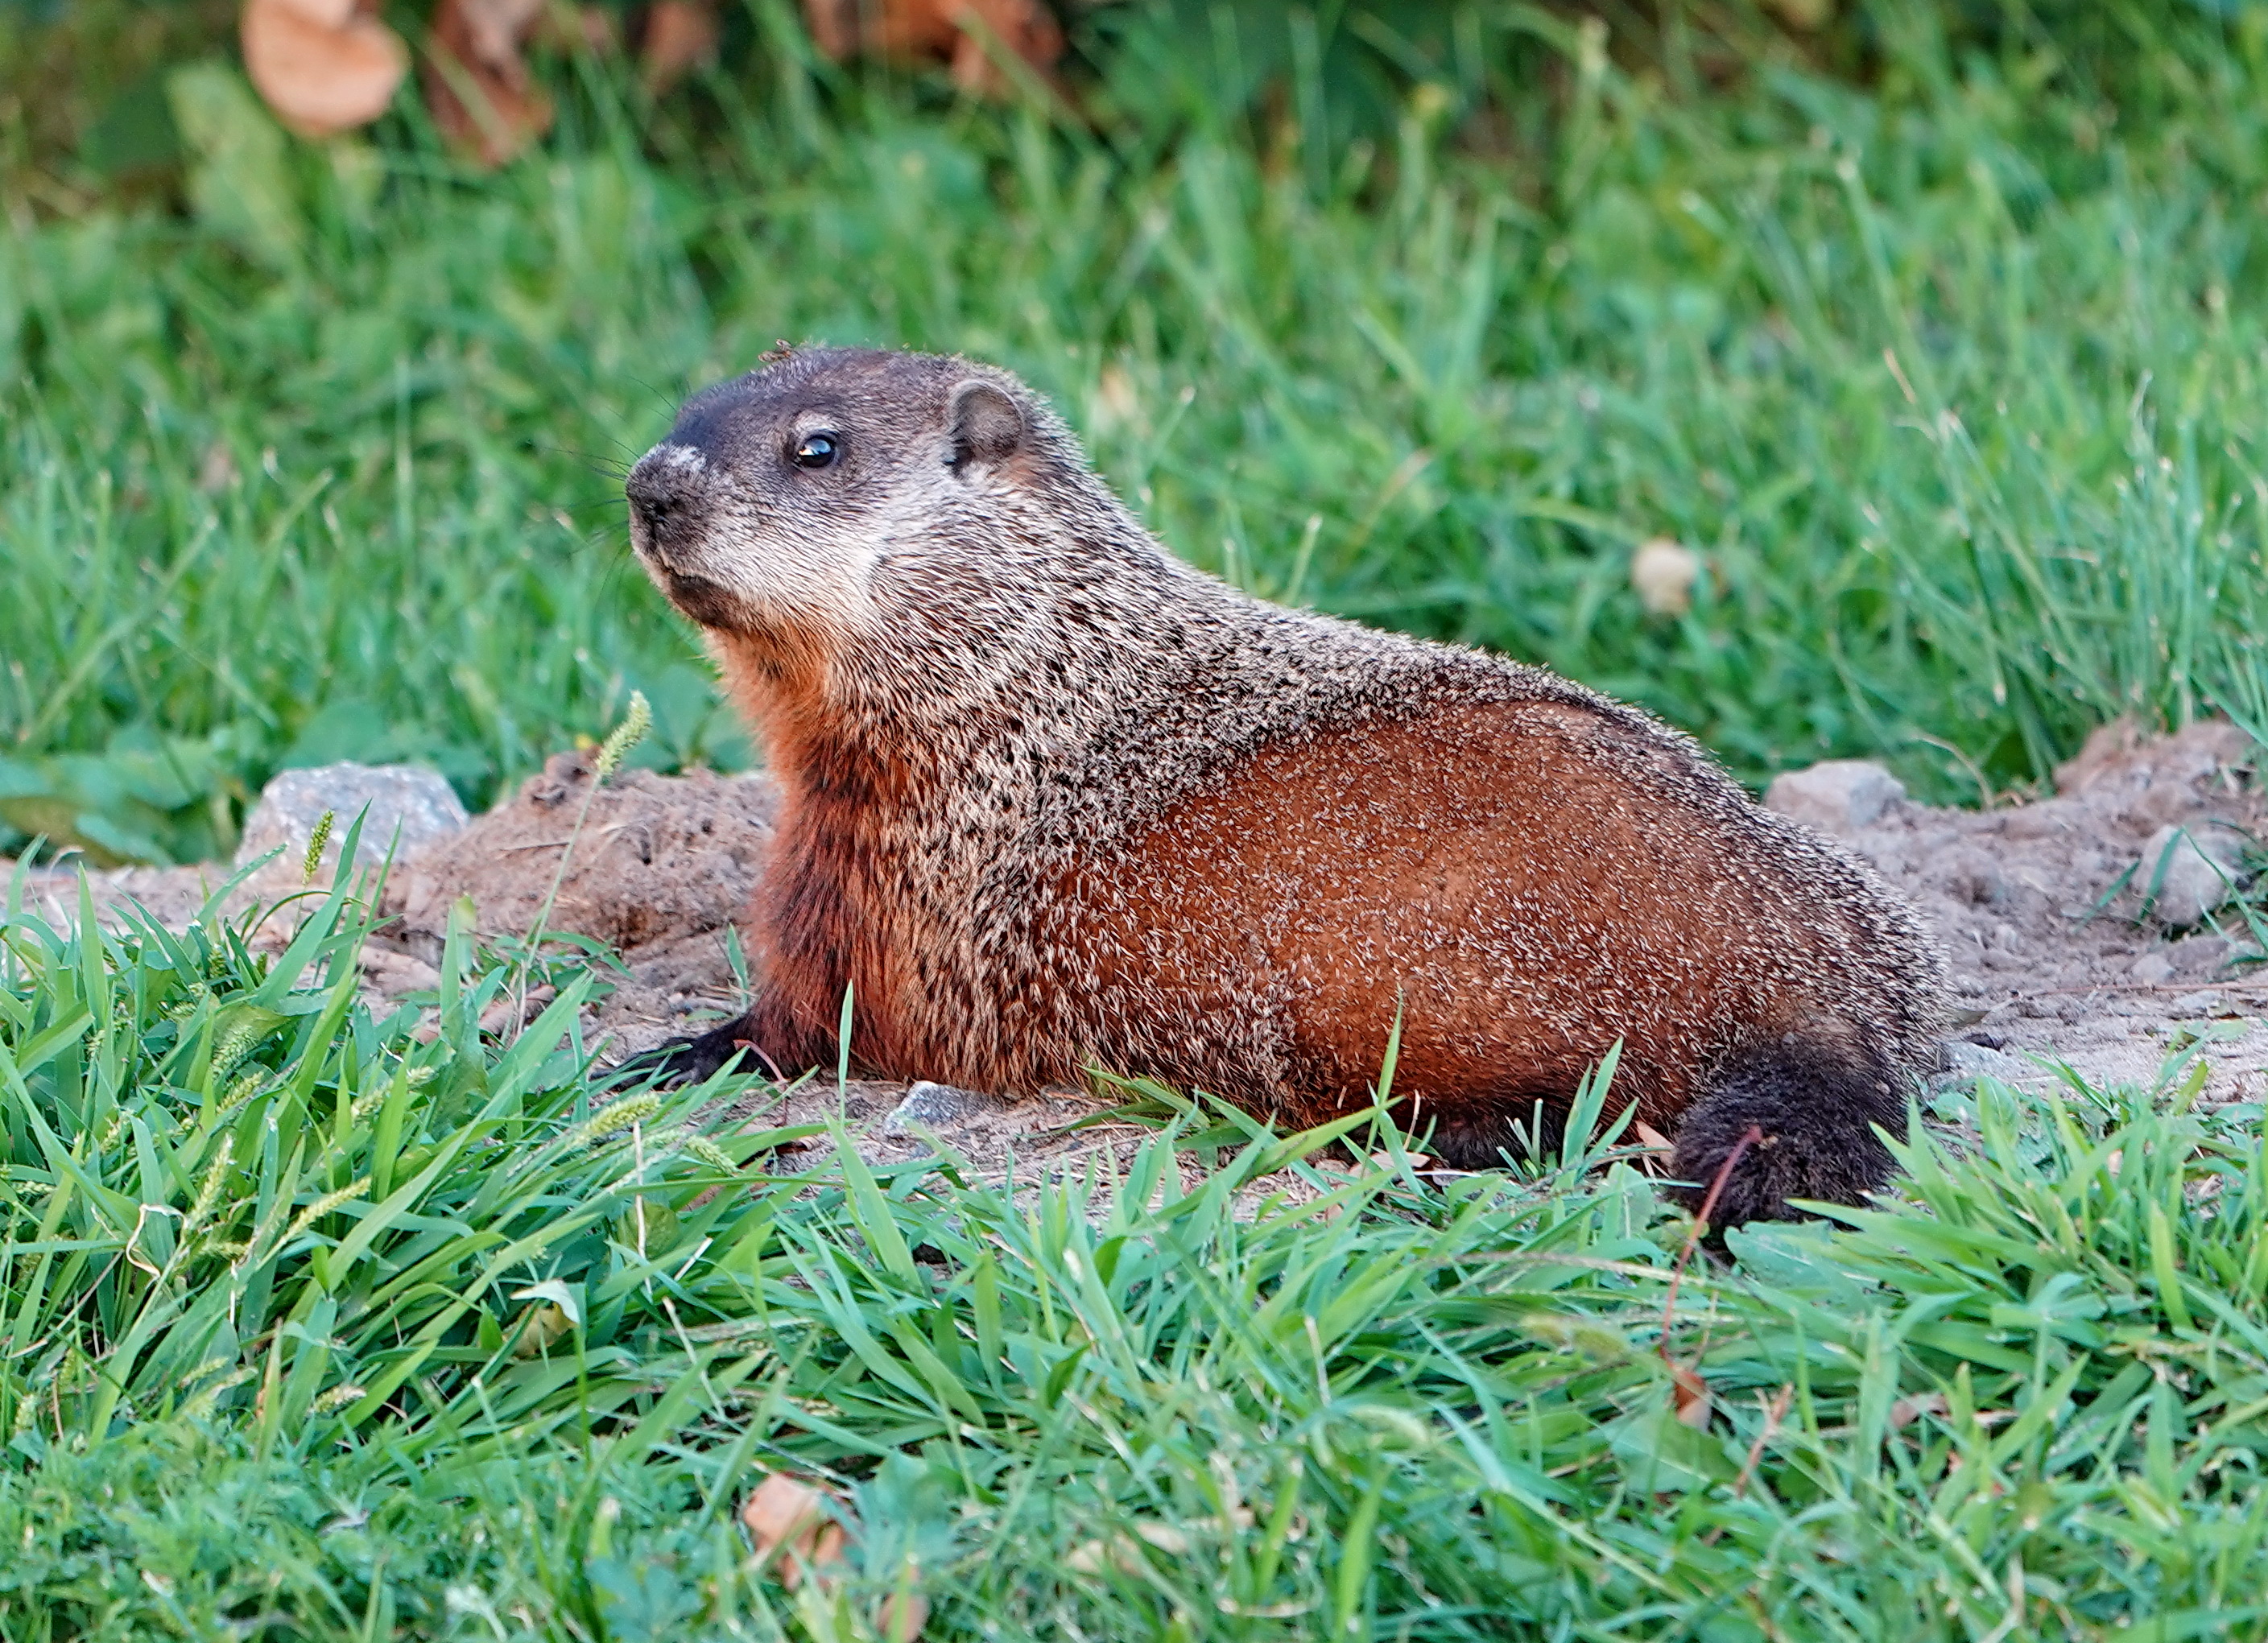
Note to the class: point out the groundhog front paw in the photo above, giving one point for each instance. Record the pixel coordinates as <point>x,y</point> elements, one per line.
<point>693,1060</point>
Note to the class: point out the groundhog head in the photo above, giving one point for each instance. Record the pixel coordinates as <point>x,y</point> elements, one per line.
<point>781,500</point>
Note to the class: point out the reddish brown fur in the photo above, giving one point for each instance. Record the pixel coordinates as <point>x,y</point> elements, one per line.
<point>1053,800</point>
<point>1549,827</point>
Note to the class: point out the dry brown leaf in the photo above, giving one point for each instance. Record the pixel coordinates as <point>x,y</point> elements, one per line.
<point>477,82</point>
<point>788,1521</point>
<point>1904,1411</point>
<point>826,1561</point>
<point>884,29</point>
<point>680,36</point>
<point>1806,15</point>
<point>786,1512</point>
<point>949,31</point>
<point>324,66</point>
<point>1659,1148</point>
<point>797,1528</point>
<point>833,26</point>
<point>564,28</point>
<point>1691,1394</point>
<point>1025,27</point>
<point>902,1624</point>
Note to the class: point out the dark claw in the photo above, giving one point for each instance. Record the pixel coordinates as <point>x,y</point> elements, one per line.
<point>693,1060</point>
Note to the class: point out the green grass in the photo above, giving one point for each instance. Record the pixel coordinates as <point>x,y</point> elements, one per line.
<point>312,1327</point>
<point>1944,342</point>
<point>1955,379</point>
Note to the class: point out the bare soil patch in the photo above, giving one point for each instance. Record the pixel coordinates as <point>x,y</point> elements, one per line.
<point>2055,958</point>
<point>2041,908</point>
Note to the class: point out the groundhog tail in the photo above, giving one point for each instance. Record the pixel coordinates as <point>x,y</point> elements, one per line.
<point>1814,1108</point>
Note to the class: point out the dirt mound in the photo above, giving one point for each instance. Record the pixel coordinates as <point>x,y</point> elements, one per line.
<point>655,867</point>
<point>2055,955</point>
<point>2041,908</point>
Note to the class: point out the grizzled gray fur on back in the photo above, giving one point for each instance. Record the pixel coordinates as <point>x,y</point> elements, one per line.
<point>989,691</point>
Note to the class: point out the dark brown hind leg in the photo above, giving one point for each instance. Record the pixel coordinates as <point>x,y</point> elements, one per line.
<point>1515,1132</point>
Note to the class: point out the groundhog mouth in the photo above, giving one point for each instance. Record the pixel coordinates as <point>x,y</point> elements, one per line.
<point>710,603</point>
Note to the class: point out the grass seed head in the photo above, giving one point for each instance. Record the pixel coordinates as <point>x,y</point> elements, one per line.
<point>625,735</point>
<point>316,842</point>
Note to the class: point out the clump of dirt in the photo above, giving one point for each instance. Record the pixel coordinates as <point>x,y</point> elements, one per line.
<point>660,869</point>
<point>2041,908</point>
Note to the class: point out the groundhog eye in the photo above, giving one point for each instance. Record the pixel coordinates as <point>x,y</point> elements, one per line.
<point>817,450</point>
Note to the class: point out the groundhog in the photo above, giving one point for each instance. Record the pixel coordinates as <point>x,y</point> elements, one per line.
<point>1054,800</point>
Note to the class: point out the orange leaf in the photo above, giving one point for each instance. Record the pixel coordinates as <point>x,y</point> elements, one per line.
<point>1026,27</point>
<point>324,66</point>
<point>783,1511</point>
<point>902,1625</point>
<point>947,31</point>
<point>476,83</point>
<point>680,35</point>
<point>790,1517</point>
<point>1691,1396</point>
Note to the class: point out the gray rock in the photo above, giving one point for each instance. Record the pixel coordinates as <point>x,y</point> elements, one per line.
<point>1965,1060</point>
<point>1837,796</point>
<point>408,806</point>
<point>937,1108</point>
<point>2193,871</point>
<point>2151,968</point>
<point>2200,955</point>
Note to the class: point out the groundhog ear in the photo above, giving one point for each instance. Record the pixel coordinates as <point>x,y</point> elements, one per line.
<point>987,426</point>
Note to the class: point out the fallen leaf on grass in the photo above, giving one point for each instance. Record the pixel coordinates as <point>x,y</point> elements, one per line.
<point>680,36</point>
<point>547,1327</point>
<point>952,31</point>
<point>483,101</point>
<point>324,66</point>
<point>586,28</point>
<point>1691,1396</point>
<point>902,1621</point>
<point>786,1515</point>
<point>803,1528</point>
<point>1905,1409</point>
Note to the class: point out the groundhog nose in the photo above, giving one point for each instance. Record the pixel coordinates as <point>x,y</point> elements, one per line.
<point>664,491</point>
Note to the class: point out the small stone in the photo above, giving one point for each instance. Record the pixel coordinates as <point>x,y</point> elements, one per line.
<point>408,806</point>
<point>1837,796</point>
<point>2200,955</point>
<point>1966,1060</point>
<point>935,1107</point>
<point>2193,871</point>
<point>2151,968</point>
